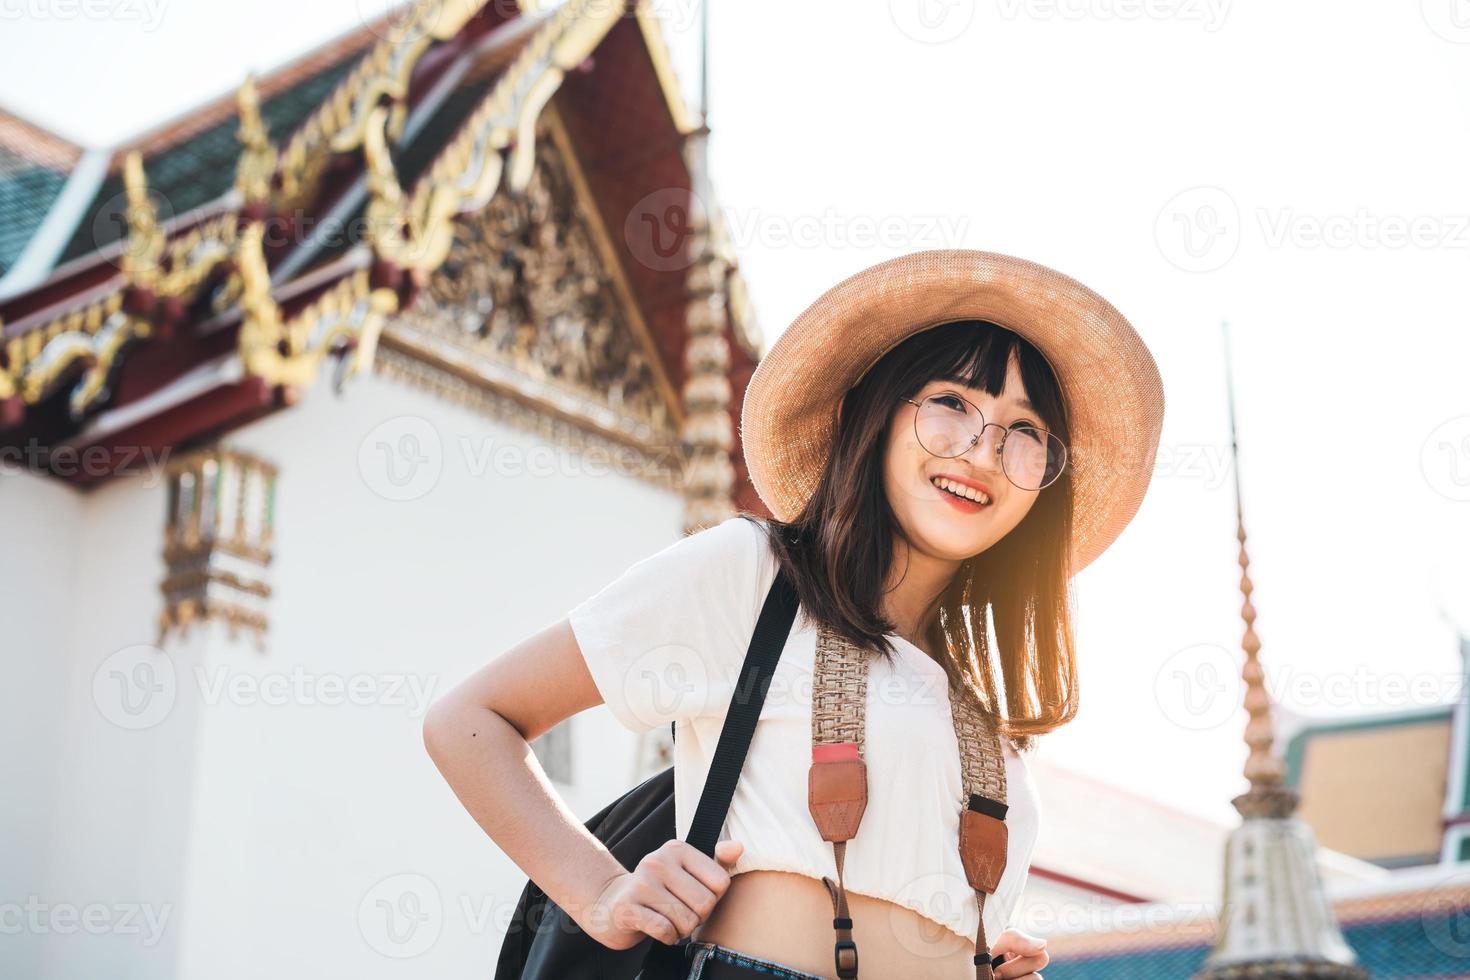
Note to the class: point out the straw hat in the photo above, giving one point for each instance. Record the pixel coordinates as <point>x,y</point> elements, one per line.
<point>1114,396</point>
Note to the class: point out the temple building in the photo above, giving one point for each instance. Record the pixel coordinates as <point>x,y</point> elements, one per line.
<point>318,397</point>
<point>311,402</point>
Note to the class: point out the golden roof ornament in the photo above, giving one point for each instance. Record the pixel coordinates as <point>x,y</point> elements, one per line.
<point>143,244</point>
<point>258,158</point>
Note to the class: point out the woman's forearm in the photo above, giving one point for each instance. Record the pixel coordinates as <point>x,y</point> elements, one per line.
<point>501,783</point>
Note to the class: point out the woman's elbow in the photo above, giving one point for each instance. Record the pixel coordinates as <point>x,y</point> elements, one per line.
<point>441,722</point>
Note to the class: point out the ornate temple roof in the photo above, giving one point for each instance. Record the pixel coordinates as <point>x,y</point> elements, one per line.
<point>201,275</point>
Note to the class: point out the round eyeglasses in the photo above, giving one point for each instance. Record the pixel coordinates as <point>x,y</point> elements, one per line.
<point>947,425</point>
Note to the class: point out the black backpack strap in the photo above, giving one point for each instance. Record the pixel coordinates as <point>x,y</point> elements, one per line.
<point>766,644</point>
<point>769,639</point>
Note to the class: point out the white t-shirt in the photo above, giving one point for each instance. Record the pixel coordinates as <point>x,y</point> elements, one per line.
<point>664,642</point>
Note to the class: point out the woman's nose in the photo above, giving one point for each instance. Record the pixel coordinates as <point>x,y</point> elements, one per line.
<point>983,452</point>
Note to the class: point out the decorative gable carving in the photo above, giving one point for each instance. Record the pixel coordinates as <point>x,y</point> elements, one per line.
<point>529,305</point>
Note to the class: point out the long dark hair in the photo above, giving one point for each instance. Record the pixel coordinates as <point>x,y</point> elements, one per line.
<point>838,550</point>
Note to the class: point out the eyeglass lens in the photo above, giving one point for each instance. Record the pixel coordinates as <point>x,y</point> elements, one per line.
<point>947,425</point>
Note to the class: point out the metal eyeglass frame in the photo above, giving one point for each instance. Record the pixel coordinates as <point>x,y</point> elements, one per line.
<point>999,446</point>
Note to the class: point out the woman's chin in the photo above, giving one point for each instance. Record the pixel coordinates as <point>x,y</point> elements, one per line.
<point>954,537</point>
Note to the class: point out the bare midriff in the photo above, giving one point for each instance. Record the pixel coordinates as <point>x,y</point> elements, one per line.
<point>787,918</point>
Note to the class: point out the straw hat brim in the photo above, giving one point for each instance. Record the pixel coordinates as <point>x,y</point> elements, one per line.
<point>1110,383</point>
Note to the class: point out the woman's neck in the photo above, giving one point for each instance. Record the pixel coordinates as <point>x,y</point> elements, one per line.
<point>915,581</point>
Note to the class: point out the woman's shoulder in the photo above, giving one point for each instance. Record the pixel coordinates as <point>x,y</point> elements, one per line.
<point>732,545</point>
<point>751,527</point>
<point>682,613</point>
<point>729,565</point>
<point>744,539</point>
<point>741,531</point>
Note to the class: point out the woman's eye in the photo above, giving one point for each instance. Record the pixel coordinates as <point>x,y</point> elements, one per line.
<point>1027,430</point>
<point>949,401</point>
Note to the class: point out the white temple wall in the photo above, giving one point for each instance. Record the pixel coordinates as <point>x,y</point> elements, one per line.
<point>93,810</point>
<point>281,815</point>
<point>38,584</point>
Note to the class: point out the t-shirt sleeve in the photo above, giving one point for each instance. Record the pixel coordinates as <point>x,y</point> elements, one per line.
<point>666,639</point>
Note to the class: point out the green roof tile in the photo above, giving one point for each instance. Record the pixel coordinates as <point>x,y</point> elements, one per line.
<point>27,192</point>
<point>202,168</point>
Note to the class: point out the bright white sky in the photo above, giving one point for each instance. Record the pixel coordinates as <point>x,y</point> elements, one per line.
<point>1192,160</point>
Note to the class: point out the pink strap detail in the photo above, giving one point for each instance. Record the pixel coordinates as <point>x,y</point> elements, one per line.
<point>834,752</point>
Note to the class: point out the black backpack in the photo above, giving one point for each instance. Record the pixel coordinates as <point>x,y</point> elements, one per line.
<point>543,942</point>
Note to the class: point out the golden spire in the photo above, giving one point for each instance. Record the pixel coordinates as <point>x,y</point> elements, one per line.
<point>1267,796</point>
<point>1275,921</point>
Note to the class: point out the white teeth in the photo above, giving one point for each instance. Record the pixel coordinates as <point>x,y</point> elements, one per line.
<point>960,490</point>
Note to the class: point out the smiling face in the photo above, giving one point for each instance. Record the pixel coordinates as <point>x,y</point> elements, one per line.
<point>912,562</point>
<point>934,520</point>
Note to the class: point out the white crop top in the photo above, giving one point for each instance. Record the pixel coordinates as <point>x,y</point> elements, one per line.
<point>665,641</point>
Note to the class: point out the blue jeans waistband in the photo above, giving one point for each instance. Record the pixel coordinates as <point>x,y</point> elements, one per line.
<point>711,961</point>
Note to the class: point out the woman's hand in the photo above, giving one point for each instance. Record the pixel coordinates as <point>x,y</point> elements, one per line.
<point>1025,955</point>
<point>671,892</point>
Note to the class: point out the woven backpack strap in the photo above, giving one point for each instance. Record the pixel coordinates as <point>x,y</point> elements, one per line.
<point>837,784</point>
<point>983,834</point>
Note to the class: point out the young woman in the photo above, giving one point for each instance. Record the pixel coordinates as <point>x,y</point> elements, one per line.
<point>944,440</point>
